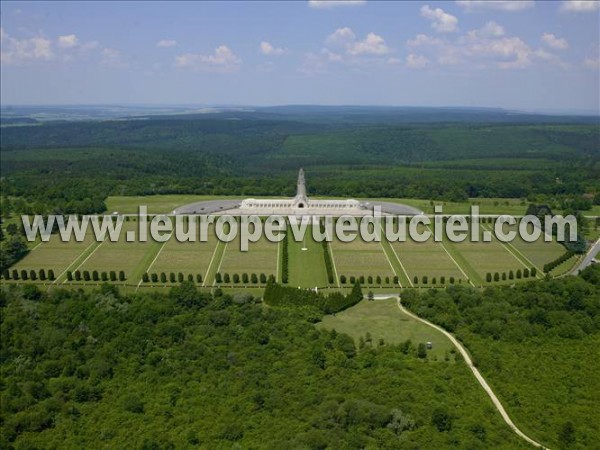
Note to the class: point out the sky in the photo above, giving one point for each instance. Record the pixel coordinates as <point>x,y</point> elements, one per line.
<point>528,54</point>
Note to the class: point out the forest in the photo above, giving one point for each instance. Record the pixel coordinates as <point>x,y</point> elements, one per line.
<point>537,344</point>
<point>71,167</point>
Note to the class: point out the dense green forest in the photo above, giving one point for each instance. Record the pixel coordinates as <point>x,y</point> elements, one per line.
<point>537,344</point>
<point>73,166</point>
<point>188,369</point>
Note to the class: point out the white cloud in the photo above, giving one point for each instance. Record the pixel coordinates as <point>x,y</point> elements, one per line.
<point>313,64</point>
<point>509,52</point>
<point>591,63</point>
<point>166,43</point>
<point>341,36</point>
<point>500,5</point>
<point>423,40</point>
<point>442,22</point>
<point>223,60</point>
<point>553,42</point>
<point>112,58</point>
<point>20,51</point>
<point>68,41</point>
<point>267,49</point>
<point>416,61</point>
<point>328,4</point>
<point>373,44</point>
<point>580,5</point>
<point>489,30</point>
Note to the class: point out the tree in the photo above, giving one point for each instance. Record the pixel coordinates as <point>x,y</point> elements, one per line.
<point>511,275</point>
<point>433,281</point>
<point>154,277</point>
<point>33,275</point>
<point>415,280</point>
<point>503,276</point>
<point>122,275</point>
<point>533,271</point>
<point>488,277</point>
<point>163,277</point>
<point>86,275</point>
<point>180,277</point>
<point>6,274</point>
<point>77,275</point>
<point>566,435</point>
<point>42,274</point>
<point>263,278</point>
<point>104,276</point>
<point>422,350</point>
<point>424,279</point>
<point>198,278</point>
<point>525,272</point>
<point>452,280</point>
<point>519,274</point>
<point>343,279</point>
<point>24,275</point>
<point>15,274</point>
<point>370,296</point>
<point>370,280</point>
<point>496,276</point>
<point>378,280</point>
<point>226,278</point>
<point>254,278</point>
<point>145,277</point>
<point>113,275</point>
<point>218,277</point>
<point>441,420</point>
<point>172,277</point>
<point>442,280</point>
<point>245,278</point>
<point>236,278</point>
<point>396,279</point>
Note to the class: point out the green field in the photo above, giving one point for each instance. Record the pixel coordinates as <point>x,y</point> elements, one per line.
<point>384,320</point>
<point>359,258</point>
<point>261,257</point>
<point>306,262</point>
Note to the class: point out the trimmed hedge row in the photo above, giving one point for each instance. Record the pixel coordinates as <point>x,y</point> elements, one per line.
<point>279,295</point>
<point>558,261</point>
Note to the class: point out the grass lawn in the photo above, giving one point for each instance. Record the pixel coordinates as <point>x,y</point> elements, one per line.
<point>358,258</point>
<point>426,259</point>
<point>383,319</point>
<point>185,257</point>
<point>261,257</point>
<point>306,268</point>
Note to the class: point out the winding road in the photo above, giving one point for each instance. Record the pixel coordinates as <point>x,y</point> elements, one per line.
<point>587,259</point>
<point>486,387</point>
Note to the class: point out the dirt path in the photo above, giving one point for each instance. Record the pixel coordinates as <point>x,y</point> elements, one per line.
<point>477,374</point>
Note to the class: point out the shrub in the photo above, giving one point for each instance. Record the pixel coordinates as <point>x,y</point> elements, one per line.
<point>77,275</point>
<point>218,277</point>
<point>122,275</point>
<point>172,277</point>
<point>163,277</point>
<point>343,279</point>
<point>42,274</point>
<point>145,277</point>
<point>180,277</point>
<point>104,276</point>
<point>113,275</point>
<point>245,278</point>
<point>86,275</point>
<point>33,275</point>
<point>236,278</point>
<point>154,277</point>
<point>95,275</point>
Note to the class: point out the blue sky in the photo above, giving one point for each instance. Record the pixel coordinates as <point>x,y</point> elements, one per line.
<point>527,54</point>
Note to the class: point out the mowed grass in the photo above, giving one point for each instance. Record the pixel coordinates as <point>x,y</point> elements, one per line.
<point>359,258</point>
<point>185,257</point>
<point>261,257</point>
<point>538,252</point>
<point>306,268</point>
<point>54,254</point>
<point>426,259</point>
<point>384,320</point>
<point>131,257</point>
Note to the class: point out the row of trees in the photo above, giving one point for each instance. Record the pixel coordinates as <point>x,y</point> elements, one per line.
<point>279,295</point>
<point>369,280</point>
<point>245,278</point>
<point>32,275</point>
<point>558,261</point>
<point>526,273</point>
<point>284,259</point>
<point>94,275</point>
<point>172,277</point>
<point>434,280</point>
